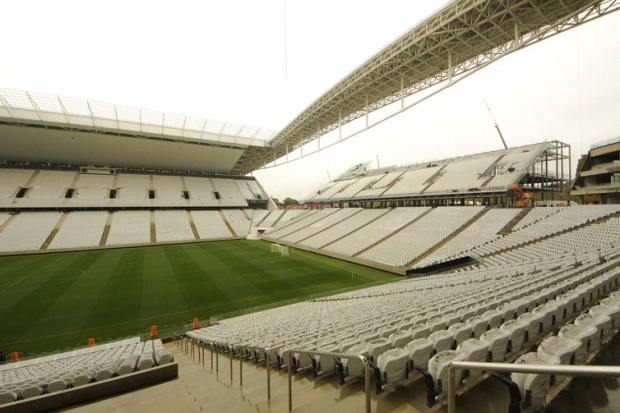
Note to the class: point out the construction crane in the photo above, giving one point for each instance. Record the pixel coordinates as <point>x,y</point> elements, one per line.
<point>496,125</point>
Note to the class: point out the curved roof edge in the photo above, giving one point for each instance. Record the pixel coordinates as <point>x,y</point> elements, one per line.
<point>20,107</point>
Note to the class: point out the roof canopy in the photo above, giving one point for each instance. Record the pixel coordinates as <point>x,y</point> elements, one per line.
<point>42,128</point>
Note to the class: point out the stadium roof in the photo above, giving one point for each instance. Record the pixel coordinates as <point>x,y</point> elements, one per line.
<point>461,38</point>
<point>40,128</point>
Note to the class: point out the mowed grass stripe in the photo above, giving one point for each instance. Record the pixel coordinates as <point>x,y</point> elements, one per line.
<point>78,302</point>
<point>22,275</point>
<point>193,282</point>
<point>64,298</point>
<point>13,271</point>
<point>235,287</point>
<point>161,293</point>
<point>44,288</point>
<point>122,294</point>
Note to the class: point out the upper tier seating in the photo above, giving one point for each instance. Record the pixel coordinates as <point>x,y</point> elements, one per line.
<point>201,191</point>
<point>133,190</point>
<point>48,189</point>
<point>379,185</point>
<point>168,191</point>
<point>462,174</point>
<point>490,172</point>
<point>229,193</point>
<point>92,190</point>
<point>413,181</point>
<point>10,182</point>
<point>351,190</point>
<point>31,188</point>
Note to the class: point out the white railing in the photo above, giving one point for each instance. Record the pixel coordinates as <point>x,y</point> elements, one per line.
<point>195,348</point>
<point>328,354</point>
<point>588,371</point>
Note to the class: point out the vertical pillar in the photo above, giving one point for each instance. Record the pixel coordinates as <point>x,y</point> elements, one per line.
<point>402,92</point>
<point>570,171</point>
<point>290,382</point>
<point>451,390</point>
<point>450,69</point>
<point>516,32</point>
<point>267,362</point>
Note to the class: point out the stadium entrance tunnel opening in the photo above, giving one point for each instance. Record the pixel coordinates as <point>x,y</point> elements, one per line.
<point>442,266</point>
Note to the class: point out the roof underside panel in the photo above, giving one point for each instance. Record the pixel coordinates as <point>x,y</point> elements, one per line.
<point>65,147</point>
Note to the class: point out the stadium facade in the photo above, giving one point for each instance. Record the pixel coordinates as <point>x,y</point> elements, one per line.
<point>598,179</point>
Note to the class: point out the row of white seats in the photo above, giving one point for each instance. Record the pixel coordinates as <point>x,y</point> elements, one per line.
<point>381,184</point>
<point>565,219</point>
<point>414,240</point>
<point>375,231</point>
<point>303,220</point>
<point>584,238</point>
<point>48,188</point>
<point>339,216</point>
<point>491,170</point>
<point>29,231</point>
<point>340,321</point>
<point>343,228</point>
<point>389,239</point>
<point>397,349</point>
<point>483,230</point>
<point>574,344</point>
<point>25,380</point>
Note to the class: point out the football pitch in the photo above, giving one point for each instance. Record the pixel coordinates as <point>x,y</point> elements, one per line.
<point>55,302</point>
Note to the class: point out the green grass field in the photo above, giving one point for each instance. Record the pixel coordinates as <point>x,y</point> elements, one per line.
<point>54,302</point>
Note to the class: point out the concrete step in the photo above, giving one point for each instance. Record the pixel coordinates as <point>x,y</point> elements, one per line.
<point>201,388</point>
<point>323,394</point>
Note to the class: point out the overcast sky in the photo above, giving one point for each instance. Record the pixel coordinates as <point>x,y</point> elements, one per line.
<point>261,62</point>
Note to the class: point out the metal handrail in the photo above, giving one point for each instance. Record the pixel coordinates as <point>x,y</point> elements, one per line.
<point>587,371</point>
<point>267,363</point>
<point>328,354</point>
